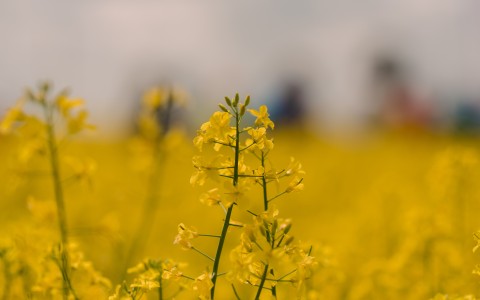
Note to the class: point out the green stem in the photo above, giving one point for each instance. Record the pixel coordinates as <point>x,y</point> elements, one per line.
<point>226,223</point>
<point>59,198</point>
<point>7,280</point>
<point>282,193</point>
<point>151,201</point>
<point>262,282</point>
<point>289,273</point>
<point>209,235</point>
<point>149,209</point>
<point>264,184</point>
<point>235,292</point>
<point>188,277</point>
<point>218,255</point>
<point>203,254</point>
<point>160,288</point>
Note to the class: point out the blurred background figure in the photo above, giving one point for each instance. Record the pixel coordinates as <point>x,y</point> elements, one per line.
<point>399,106</point>
<point>467,116</point>
<point>164,102</point>
<point>290,108</point>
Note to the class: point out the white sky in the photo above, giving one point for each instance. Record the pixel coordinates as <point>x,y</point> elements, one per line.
<point>108,51</point>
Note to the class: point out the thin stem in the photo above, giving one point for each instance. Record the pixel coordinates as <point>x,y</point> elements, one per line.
<point>282,193</point>
<point>289,273</point>
<point>7,280</point>
<point>256,285</point>
<point>218,255</point>
<point>209,235</point>
<point>262,282</point>
<point>245,148</point>
<point>264,184</point>
<point>59,197</point>
<point>259,247</point>
<point>280,241</point>
<point>235,292</point>
<point>151,201</point>
<point>247,175</point>
<point>188,277</point>
<point>160,288</point>
<point>223,207</point>
<point>226,223</point>
<point>213,168</point>
<point>223,144</point>
<point>204,254</point>
<point>149,208</point>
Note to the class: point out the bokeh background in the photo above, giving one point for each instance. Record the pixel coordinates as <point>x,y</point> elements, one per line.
<point>379,100</point>
<point>338,53</point>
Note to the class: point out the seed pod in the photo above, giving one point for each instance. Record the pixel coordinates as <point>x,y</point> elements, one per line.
<point>247,246</point>
<point>267,235</point>
<point>289,240</point>
<point>242,109</point>
<point>251,235</point>
<point>44,86</point>
<point>274,227</point>
<point>235,101</point>
<point>262,231</point>
<point>265,224</point>
<point>247,100</point>
<point>29,94</point>
<point>222,107</point>
<point>287,228</point>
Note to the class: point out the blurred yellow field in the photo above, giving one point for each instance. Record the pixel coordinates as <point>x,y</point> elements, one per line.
<point>391,216</point>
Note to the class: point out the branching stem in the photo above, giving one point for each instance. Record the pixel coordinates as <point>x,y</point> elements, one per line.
<point>226,222</point>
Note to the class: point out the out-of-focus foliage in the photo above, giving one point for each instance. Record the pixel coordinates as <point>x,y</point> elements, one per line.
<point>390,217</point>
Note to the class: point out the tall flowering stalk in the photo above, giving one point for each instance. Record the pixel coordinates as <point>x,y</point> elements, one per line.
<point>154,124</point>
<point>42,136</point>
<point>266,245</point>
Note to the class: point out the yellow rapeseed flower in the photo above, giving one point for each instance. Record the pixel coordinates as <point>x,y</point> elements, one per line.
<point>65,104</point>
<point>13,115</point>
<point>202,286</point>
<point>155,97</point>
<point>184,236</point>
<point>262,117</point>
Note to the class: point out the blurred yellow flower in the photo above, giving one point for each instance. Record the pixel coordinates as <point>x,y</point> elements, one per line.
<point>295,185</point>
<point>185,236</point>
<point>155,97</point>
<point>262,117</point>
<point>202,286</point>
<point>78,123</point>
<point>65,104</point>
<point>14,114</point>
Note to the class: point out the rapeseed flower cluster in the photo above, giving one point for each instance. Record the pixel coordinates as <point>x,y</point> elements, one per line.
<point>397,212</point>
<point>239,164</point>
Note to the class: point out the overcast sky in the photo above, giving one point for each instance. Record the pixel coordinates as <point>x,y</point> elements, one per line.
<point>108,51</point>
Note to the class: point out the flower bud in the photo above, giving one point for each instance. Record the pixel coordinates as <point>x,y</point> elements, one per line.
<point>287,228</point>
<point>242,109</point>
<point>235,101</point>
<point>289,240</point>
<point>247,101</point>
<point>222,107</point>
<point>228,101</point>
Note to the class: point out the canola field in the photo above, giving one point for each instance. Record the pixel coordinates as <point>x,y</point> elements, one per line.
<point>239,210</point>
